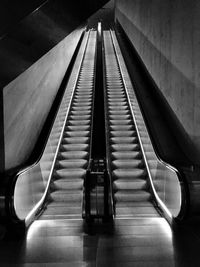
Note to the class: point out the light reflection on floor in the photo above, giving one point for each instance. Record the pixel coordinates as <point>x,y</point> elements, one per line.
<point>128,242</point>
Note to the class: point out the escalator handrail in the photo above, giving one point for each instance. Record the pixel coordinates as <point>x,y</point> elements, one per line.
<point>13,179</point>
<point>184,204</point>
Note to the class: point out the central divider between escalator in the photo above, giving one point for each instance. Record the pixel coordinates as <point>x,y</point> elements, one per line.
<point>97,180</point>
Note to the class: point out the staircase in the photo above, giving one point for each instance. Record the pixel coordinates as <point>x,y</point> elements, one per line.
<point>130,185</point>
<point>66,189</point>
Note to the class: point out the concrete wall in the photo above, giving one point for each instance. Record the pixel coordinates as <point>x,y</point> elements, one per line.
<point>28,99</point>
<point>166,34</point>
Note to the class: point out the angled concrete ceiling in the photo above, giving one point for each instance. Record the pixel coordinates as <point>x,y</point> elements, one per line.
<point>29,29</point>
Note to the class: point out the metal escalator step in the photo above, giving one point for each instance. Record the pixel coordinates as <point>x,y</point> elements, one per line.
<point>81,108</point>
<point>77,113</point>
<point>132,196</point>
<point>116,97</point>
<point>76,163</point>
<point>114,83</point>
<point>78,122</point>
<point>129,173</point>
<point>126,155</point>
<point>80,101</point>
<point>120,117</point>
<point>73,147</point>
<point>75,140</point>
<point>85,83</point>
<point>128,133</point>
<point>136,184</point>
<point>124,140</point>
<point>62,212</point>
<point>114,88</point>
<point>117,104</point>
<point>85,90</point>
<point>63,184</point>
<point>118,107</point>
<point>127,164</point>
<point>135,204</point>
<point>121,122</point>
<point>83,95</point>
<point>125,147</point>
<point>79,116</point>
<point>69,173</point>
<point>73,155</point>
<point>119,112</point>
<point>119,99</point>
<point>77,127</point>
<point>77,133</point>
<point>68,196</point>
<point>136,211</point>
<point>81,105</point>
<point>121,127</point>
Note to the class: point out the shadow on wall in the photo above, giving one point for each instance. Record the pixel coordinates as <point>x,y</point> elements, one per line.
<point>177,84</point>
<point>28,38</point>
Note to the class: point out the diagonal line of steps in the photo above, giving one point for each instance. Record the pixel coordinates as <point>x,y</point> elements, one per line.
<point>66,188</point>
<point>129,176</point>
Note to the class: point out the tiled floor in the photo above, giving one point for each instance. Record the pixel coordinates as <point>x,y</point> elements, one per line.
<point>128,242</point>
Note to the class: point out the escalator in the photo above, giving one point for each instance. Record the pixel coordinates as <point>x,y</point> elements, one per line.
<point>130,185</point>
<point>142,184</point>
<point>65,196</point>
<point>88,171</point>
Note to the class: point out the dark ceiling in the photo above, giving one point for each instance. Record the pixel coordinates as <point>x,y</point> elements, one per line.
<point>29,29</point>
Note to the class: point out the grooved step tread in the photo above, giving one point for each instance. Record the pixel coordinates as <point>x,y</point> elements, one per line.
<point>69,173</point>
<point>66,196</point>
<point>126,163</point>
<point>137,184</point>
<point>126,155</point>
<point>125,147</point>
<point>63,184</point>
<point>76,163</point>
<point>124,140</point>
<point>73,147</point>
<point>73,155</point>
<point>75,140</point>
<point>136,212</point>
<point>132,196</point>
<point>129,173</point>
